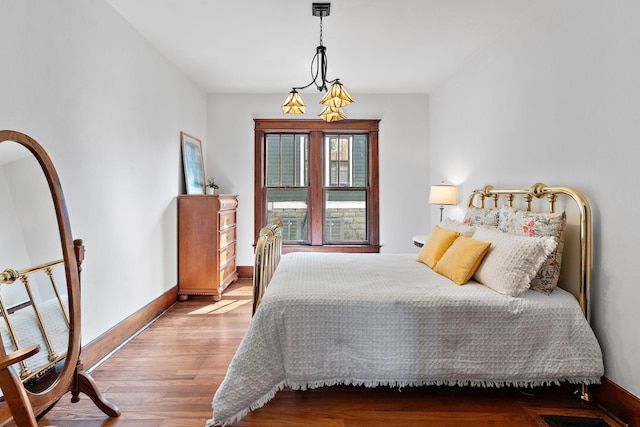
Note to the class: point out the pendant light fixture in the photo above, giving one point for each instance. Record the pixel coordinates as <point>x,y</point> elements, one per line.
<point>337,96</point>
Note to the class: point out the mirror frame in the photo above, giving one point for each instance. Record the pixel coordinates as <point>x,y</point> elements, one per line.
<point>72,377</point>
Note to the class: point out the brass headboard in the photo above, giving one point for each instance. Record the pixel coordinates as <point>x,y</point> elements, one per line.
<point>538,191</point>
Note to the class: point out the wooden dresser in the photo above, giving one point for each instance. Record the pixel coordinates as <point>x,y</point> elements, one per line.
<point>206,244</point>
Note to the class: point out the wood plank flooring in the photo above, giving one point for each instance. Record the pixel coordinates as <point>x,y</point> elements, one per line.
<point>167,375</point>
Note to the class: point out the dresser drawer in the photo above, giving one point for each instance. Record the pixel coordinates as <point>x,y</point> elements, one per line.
<point>226,236</point>
<point>228,202</point>
<point>227,270</point>
<point>227,219</point>
<point>227,253</point>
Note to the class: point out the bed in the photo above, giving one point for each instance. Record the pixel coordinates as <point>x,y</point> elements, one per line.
<point>398,320</point>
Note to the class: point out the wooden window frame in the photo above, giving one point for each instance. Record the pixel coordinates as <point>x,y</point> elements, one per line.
<point>316,130</point>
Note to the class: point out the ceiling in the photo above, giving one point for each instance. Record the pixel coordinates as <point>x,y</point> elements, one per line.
<point>266,46</point>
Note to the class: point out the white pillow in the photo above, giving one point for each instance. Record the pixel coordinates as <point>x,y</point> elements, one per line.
<point>464,229</point>
<point>512,261</point>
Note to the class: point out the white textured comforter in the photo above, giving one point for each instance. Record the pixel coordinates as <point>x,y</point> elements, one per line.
<point>375,319</point>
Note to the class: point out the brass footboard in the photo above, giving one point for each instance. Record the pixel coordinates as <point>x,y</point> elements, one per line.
<point>9,276</point>
<point>267,257</point>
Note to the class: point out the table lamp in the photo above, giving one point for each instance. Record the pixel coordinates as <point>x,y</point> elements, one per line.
<point>443,194</point>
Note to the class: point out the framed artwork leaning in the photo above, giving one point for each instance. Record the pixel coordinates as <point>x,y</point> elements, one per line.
<point>192,163</point>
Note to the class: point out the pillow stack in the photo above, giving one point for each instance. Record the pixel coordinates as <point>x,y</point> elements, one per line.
<point>508,250</point>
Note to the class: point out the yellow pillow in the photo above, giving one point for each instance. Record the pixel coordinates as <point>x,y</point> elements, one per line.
<point>462,259</point>
<point>437,243</point>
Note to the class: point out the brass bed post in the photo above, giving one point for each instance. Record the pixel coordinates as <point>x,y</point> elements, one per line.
<point>258,268</point>
<point>49,272</point>
<point>267,256</point>
<point>24,370</point>
<point>586,241</point>
<point>586,257</point>
<point>24,278</point>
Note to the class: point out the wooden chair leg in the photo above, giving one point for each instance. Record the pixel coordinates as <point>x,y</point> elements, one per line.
<point>13,389</point>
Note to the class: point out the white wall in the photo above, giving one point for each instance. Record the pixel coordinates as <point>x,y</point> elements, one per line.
<point>555,99</point>
<point>31,225</point>
<point>108,108</point>
<point>13,249</point>
<point>403,167</point>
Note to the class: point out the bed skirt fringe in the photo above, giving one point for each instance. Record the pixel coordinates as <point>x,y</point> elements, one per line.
<point>393,384</point>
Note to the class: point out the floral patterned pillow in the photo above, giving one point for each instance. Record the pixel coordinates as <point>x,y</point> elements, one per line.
<point>481,216</point>
<point>537,224</point>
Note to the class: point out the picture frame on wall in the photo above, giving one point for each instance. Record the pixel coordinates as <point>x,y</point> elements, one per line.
<point>192,163</point>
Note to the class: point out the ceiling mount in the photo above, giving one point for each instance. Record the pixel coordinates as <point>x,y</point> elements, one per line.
<point>321,10</point>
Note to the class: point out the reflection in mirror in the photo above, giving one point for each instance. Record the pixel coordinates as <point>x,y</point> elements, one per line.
<point>33,288</point>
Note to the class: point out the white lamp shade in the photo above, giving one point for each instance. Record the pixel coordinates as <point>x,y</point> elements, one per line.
<point>443,194</point>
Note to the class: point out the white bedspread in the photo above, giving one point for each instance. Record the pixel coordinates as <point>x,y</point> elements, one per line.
<point>374,319</point>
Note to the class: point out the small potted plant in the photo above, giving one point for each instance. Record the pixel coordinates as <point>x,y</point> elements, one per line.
<point>212,187</point>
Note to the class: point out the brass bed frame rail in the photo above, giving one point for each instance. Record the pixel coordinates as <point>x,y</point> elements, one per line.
<point>8,277</point>
<point>267,256</point>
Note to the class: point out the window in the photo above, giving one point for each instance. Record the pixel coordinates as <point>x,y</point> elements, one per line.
<point>345,182</point>
<point>320,179</point>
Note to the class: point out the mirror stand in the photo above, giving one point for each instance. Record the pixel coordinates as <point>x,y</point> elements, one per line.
<point>60,350</point>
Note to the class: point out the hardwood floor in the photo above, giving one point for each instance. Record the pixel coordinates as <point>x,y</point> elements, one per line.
<point>167,375</point>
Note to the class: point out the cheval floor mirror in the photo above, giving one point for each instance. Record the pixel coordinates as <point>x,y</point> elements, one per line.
<point>39,288</point>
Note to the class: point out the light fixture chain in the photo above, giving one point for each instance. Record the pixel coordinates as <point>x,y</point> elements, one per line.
<point>321,30</point>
